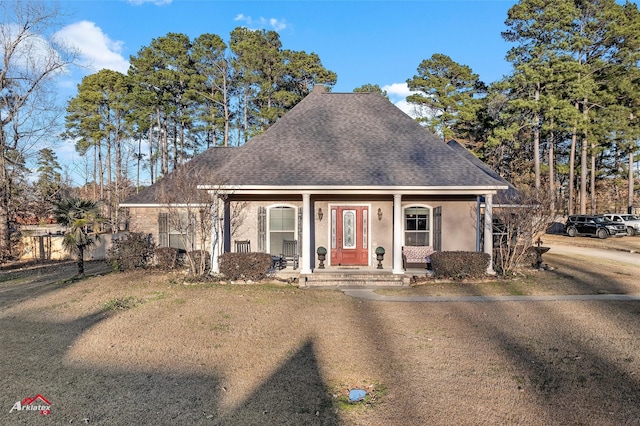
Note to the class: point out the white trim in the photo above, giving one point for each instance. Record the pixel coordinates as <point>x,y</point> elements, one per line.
<point>305,251</point>
<point>397,234</point>
<point>404,220</point>
<point>342,190</point>
<point>364,190</point>
<point>268,224</point>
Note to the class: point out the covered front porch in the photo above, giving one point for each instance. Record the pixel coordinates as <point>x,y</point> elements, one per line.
<point>379,218</point>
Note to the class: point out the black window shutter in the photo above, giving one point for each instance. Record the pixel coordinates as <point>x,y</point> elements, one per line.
<point>299,228</point>
<point>163,229</point>
<point>262,229</point>
<point>437,229</point>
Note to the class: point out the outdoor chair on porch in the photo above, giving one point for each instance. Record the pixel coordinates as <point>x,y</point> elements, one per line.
<point>243,246</point>
<point>289,253</point>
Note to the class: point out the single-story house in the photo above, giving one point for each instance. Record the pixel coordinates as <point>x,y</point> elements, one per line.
<point>346,171</point>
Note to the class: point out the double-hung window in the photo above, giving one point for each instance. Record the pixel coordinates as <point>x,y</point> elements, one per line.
<point>282,226</point>
<point>417,226</point>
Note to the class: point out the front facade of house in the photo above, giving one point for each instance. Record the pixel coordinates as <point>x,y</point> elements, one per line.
<point>349,172</point>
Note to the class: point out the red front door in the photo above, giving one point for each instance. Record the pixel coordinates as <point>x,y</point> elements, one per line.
<point>349,235</point>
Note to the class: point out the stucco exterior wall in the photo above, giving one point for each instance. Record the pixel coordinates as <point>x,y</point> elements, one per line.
<point>458,226</point>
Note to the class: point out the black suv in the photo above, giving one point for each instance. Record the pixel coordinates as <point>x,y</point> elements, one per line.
<point>598,226</point>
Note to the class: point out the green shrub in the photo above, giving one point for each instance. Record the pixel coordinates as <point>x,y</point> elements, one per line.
<point>245,266</point>
<point>133,251</point>
<point>167,258</point>
<point>459,264</point>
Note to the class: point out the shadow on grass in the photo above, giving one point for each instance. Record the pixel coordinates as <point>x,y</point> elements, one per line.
<point>575,376</point>
<point>33,362</point>
<point>583,278</point>
<point>39,280</point>
<point>294,395</point>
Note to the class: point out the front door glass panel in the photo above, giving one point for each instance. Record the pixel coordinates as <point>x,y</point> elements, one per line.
<point>349,229</point>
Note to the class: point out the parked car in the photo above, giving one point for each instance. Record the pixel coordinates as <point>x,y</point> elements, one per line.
<point>595,226</point>
<point>630,221</point>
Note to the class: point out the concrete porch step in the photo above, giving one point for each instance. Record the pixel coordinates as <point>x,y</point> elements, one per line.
<point>353,278</point>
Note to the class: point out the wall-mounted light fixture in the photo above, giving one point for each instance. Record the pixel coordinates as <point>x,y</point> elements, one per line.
<point>379,213</point>
<point>320,214</point>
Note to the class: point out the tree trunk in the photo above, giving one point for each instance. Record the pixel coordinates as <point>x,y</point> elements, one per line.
<point>119,175</point>
<point>152,168</point>
<point>584,166</point>
<point>109,183</point>
<point>100,169</point>
<point>225,106</point>
<point>552,185</point>
<point>536,142</point>
<point>80,261</point>
<point>630,187</point>
<point>572,166</point>
<point>5,238</point>
<point>592,179</point>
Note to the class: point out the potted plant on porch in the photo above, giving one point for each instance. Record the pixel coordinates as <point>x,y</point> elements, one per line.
<point>322,254</point>
<point>379,256</point>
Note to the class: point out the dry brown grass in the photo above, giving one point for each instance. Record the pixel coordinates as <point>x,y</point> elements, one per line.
<point>143,348</point>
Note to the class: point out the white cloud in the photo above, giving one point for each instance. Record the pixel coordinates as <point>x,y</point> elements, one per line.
<point>406,107</point>
<point>398,90</point>
<point>277,24</point>
<point>273,23</point>
<point>97,51</point>
<point>31,51</point>
<point>398,93</point>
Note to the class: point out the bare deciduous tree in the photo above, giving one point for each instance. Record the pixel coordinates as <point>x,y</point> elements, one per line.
<point>518,222</point>
<point>194,215</point>
<point>31,59</point>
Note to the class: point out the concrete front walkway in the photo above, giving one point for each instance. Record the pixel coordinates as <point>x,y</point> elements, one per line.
<point>370,294</point>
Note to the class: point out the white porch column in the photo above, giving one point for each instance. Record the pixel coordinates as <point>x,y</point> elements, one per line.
<point>397,234</point>
<point>216,232</point>
<point>488,230</point>
<point>305,254</point>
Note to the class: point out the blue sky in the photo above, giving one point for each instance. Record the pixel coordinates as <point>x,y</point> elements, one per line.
<point>376,42</point>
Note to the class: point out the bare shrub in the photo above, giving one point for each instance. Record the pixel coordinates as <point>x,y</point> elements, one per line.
<point>133,251</point>
<point>459,264</point>
<point>245,266</point>
<point>167,258</point>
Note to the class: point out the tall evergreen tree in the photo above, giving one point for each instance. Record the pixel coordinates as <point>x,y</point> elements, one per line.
<point>214,86</point>
<point>448,95</point>
<point>96,120</point>
<point>49,186</point>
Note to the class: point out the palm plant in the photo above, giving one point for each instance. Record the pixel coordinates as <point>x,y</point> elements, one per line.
<point>80,217</point>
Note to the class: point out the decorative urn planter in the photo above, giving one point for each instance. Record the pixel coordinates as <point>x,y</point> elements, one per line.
<point>322,255</point>
<point>380,256</point>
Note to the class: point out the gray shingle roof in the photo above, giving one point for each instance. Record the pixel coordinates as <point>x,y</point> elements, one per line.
<point>349,139</point>
<point>338,140</point>
<point>202,167</point>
